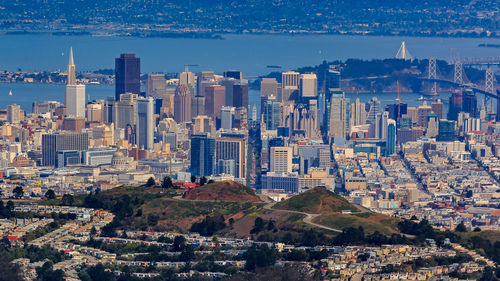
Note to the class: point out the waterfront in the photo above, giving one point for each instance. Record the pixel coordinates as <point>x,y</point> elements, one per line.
<point>248,53</point>
<point>25,94</point>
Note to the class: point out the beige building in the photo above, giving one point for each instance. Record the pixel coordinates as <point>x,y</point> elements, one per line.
<point>281,159</point>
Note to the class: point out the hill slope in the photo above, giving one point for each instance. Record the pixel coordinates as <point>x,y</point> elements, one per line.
<point>222,191</point>
<point>316,201</point>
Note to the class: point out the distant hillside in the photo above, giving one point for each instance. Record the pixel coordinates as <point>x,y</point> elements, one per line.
<point>222,191</point>
<point>316,201</point>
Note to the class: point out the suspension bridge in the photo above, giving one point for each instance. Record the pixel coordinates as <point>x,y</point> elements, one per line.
<point>487,88</point>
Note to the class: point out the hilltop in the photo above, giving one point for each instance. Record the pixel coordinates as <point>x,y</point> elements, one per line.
<point>316,201</point>
<point>222,191</point>
<point>325,208</point>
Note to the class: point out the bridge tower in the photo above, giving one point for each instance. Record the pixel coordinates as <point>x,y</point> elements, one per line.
<point>458,73</point>
<point>432,75</point>
<point>403,52</point>
<point>489,85</point>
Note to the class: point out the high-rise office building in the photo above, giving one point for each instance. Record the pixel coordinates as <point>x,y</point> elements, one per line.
<point>269,87</point>
<point>215,99</point>
<point>308,85</point>
<point>53,143</point>
<point>272,113</point>
<point>290,81</point>
<point>156,85</point>
<point>202,155</point>
<point>182,104</point>
<point>396,110</point>
<point>456,106</point>
<point>374,109</point>
<point>203,124</point>
<point>432,125</point>
<point>469,103</point>
<point>74,98</point>
<point>332,80</point>
<point>281,159</point>
<point>391,137</point>
<point>357,113</point>
<point>14,114</point>
<point>233,74</point>
<point>446,130</point>
<point>240,93</point>
<point>227,117</point>
<point>197,106</point>
<point>127,75</point>
<point>438,108</point>
<point>205,78</point>
<point>423,112</point>
<point>231,146</point>
<point>338,116</point>
<point>145,123</point>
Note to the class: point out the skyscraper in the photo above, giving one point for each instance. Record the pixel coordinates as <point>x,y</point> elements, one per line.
<point>308,85</point>
<point>272,113</point>
<point>127,75</point>
<point>281,159</point>
<point>357,113</point>
<point>469,103</point>
<point>182,104</point>
<point>240,94</point>
<point>269,87</point>
<point>227,117</point>
<point>231,146</point>
<point>53,143</point>
<point>205,78</point>
<point>391,137</point>
<point>156,85</point>
<point>74,98</point>
<point>437,107</point>
<point>145,123</point>
<point>215,98</point>
<point>456,106</point>
<point>233,74</point>
<point>14,114</point>
<point>290,81</point>
<point>202,155</point>
<point>446,130</point>
<point>338,116</point>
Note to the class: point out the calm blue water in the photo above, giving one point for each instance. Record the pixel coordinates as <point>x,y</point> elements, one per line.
<point>248,53</point>
<point>25,94</point>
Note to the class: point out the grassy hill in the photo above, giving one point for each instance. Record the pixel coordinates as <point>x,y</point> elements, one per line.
<point>223,191</point>
<point>316,201</point>
<point>329,207</point>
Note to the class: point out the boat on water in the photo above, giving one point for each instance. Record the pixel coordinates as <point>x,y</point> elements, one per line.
<point>10,93</point>
<point>422,98</point>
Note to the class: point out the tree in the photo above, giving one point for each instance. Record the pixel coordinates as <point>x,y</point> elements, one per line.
<point>47,273</point>
<point>167,182</point>
<point>179,243</point>
<point>9,271</point>
<point>477,229</point>
<point>108,230</point>
<point>231,222</point>
<point>461,228</point>
<point>67,200</point>
<point>18,192</point>
<point>93,232</point>
<point>150,182</point>
<point>259,256</point>
<point>193,179</point>
<point>203,181</point>
<point>50,194</point>
<point>258,225</point>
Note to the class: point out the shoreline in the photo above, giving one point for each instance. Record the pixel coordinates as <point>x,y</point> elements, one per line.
<point>219,35</point>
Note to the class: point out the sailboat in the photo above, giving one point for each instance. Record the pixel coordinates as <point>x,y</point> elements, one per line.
<point>10,93</point>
